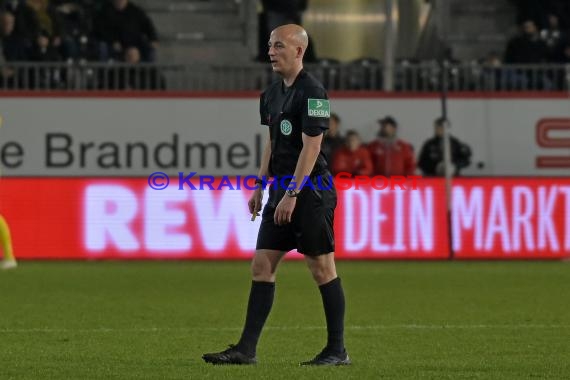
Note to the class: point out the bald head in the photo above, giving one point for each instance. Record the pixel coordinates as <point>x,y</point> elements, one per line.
<point>287,45</point>
<point>293,34</point>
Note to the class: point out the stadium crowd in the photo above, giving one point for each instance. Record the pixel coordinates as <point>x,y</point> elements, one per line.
<point>120,31</point>
<point>544,32</point>
<point>54,30</point>
<point>542,38</point>
<point>388,155</point>
<point>78,31</point>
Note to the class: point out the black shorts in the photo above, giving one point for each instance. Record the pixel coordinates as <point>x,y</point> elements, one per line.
<point>311,229</point>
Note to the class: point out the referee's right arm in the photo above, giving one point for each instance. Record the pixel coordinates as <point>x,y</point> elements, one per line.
<point>255,202</point>
<point>264,168</point>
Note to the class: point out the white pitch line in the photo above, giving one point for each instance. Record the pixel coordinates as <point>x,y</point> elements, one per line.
<point>350,327</point>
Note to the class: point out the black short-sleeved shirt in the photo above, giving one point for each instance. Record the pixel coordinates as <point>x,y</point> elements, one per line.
<point>289,112</point>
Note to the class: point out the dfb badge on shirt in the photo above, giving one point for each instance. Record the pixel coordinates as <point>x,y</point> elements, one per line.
<point>286,127</point>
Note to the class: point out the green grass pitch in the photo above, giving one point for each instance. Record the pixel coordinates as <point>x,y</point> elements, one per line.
<point>405,320</point>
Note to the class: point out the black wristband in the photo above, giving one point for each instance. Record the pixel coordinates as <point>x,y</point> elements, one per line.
<point>291,193</point>
<point>259,181</point>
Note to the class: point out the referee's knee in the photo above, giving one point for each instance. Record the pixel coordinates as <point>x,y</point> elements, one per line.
<point>322,268</point>
<point>262,271</point>
<point>323,274</point>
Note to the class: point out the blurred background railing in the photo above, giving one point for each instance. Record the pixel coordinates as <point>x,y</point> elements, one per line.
<point>364,75</point>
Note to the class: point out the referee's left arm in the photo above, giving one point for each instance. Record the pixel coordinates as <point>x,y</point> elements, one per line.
<point>307,158</point>
<point>315,113</point>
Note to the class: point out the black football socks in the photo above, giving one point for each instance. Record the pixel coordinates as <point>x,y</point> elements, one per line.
<point>333,302</point>
<point>258,308</point>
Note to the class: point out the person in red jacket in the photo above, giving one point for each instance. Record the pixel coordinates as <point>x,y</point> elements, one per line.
<point>353,157</point>
<point>390,155</point>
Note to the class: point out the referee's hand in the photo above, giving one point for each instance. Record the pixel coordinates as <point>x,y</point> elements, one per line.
<point>284,210</point>
<point>254,202</point>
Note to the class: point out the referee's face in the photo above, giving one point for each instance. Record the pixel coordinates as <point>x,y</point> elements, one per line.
<point>282,52</point>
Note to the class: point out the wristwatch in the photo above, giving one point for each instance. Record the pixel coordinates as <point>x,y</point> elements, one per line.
<point>292,193</point>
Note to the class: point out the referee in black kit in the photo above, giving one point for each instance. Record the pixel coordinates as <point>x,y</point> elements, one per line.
<point>296,110</point>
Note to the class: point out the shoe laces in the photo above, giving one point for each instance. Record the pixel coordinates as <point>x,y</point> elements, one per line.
<point>327,352</point>
<point>324,353</point>
<point>231,348</point>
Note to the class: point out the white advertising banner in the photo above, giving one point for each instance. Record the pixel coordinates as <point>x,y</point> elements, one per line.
<point>101,136</point>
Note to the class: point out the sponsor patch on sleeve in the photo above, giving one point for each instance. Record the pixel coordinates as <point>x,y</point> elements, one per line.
<point>318,108</point>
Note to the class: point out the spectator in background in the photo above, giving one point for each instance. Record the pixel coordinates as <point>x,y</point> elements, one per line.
<point>43,50</point>
<point>134,76</point>
<point>431,156</point>
<point>492,73</point>
<point>15,47</point>
<point>49,29</point>
<point>45,77</point>
<point>554,38</point>
<point>526,47</point>
<point>123,24</point>
<point>26,23</point>
<point>74,19</point>
<point>538,10</point>
<point>492,59</point>
<point>353,157</point>
<point>333,139</point>
<point>390,155</point>
<point>12,49</point>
